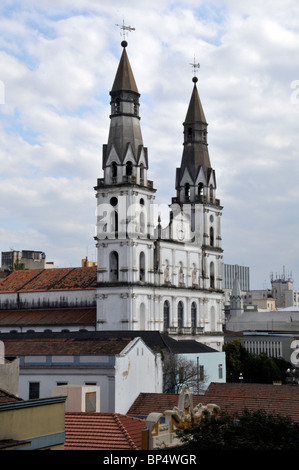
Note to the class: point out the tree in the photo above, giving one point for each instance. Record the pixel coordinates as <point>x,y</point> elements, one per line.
<point>257,368</point>
<point>246,431</point>
<point>179,372</point>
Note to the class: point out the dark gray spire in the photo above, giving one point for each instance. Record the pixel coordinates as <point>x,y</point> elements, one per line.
<point>195,152</point>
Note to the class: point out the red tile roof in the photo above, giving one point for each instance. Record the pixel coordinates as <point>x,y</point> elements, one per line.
<point>51,316</point>
<point>147,403</point>
<point>30,280</point>
<point>102,431</point>
<point>232,397</point>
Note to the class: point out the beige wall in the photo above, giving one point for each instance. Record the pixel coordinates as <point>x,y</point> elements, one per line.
<point>24,421</point>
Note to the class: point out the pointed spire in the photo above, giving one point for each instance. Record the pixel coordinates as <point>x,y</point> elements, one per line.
<point>195,111</point>
<point>195,153</point>
<point>124,79</point>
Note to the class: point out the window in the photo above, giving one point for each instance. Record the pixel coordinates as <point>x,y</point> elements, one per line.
<point>166,311</point>
<point>212,276</point>
<point>129,169</point>
<point>187,190</point>
<point>200,190</point>
<point>114,216</point>
<point>180,314</point>
<point>220,371</point>
<point>117,105</point>
<point>114,169</point>
<point>113,266</point>
<point>211,236</point>
<point>141,266</point>
<point>33,390</point>
<point>193,315</point>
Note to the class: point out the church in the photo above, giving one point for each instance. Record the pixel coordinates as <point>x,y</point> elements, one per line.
<point>152,277</point>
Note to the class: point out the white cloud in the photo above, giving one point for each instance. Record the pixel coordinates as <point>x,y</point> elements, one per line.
<point>59,60</point>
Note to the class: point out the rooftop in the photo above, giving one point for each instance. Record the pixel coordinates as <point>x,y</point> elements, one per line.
<point>6,397</point>
<point>232,397</point>
<point>30,344</point>
<point>48,317</point>
<point>102,431</point>
<point>32,280</point>
<point>155,340</point>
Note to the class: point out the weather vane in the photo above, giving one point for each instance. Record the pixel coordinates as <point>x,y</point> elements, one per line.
<point>195,67</point>
<point>125,29</point>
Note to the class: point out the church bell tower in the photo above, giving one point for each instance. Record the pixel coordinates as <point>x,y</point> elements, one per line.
<point>125,198</point>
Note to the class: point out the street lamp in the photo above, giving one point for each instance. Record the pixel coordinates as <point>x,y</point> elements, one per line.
<point>290,376</point>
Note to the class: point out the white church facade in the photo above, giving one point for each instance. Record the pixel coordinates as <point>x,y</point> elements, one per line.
<point>151,277</point>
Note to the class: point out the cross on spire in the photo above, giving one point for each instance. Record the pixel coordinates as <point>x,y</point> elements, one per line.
<point>125,29</point>
<point>195,67</point>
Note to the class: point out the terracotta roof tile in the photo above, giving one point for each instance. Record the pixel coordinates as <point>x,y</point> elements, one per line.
<point>232,397</point>
<point>102,431</point>
<point>50,279</point>
<point>51,316</point>
<point>147,403</point>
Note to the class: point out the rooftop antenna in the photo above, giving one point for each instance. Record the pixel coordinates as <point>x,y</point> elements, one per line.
<point>125,30</point>
<point>195,66</point>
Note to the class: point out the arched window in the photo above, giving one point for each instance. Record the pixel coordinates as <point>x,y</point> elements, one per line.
<point>212,276</point>
<point>187,190</point>
<point>193,315</point>
<point>114,169</point>
<point>114,216</point>
<point>180,314</point>
<point>129,169</point>
<point>113,261</point>
<point>200,191</point>
<point>190,133</point>
<point>166,315</point>
<point>211,236</point>
<point>141,266</point>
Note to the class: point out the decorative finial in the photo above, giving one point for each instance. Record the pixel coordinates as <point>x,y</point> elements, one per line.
<point>195,67</point>
<point>125,30</point>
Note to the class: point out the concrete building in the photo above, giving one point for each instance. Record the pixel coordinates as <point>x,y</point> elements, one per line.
<point>31,424</point>
<point>153,276</point>
<point>25,259</point>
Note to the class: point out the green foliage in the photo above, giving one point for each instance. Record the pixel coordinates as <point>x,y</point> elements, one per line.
<point>247,431</point>
<point>254,368</point>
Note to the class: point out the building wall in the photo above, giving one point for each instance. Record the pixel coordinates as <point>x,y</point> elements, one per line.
<point>9,376</point>
<point>139,370</point>
<point>114,376</point>
<point>40,422</point>
<point>45,299</point>
<point>214,367</point>
<point>51,371</point>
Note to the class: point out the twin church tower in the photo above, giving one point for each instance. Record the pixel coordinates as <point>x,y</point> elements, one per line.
<point>151,277</point>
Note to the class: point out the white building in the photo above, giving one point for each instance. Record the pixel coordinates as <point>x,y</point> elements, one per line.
<point>121,368</point>
<point>152,277</point>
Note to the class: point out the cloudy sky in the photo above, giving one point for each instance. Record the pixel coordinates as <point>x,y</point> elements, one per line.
<point>58,61</point>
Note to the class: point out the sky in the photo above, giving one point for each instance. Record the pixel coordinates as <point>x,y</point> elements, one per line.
<point>58,63</point>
